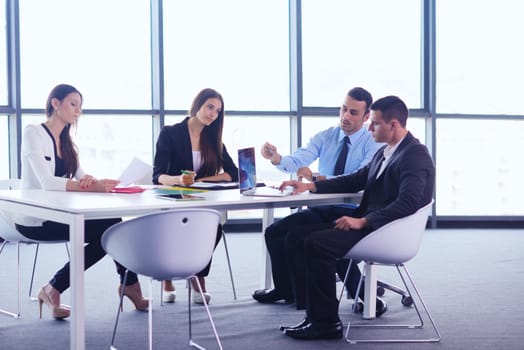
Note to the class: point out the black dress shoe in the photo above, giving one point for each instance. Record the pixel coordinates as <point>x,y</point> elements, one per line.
<point>269,296</point>
<point>301,324</point>
<point>380,309</point>
<point>315,330</point>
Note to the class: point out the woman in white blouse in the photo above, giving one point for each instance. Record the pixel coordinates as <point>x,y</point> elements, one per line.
<point>50,162</point>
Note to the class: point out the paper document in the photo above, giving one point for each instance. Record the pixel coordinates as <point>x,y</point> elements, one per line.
<point>214,184</point>
<point>135,171</point>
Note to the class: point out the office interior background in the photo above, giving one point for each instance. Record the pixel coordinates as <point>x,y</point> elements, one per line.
<point>283,68</point>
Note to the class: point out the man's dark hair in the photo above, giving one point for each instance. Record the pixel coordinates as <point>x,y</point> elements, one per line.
<point>391,107</point>
<point>361,94</point>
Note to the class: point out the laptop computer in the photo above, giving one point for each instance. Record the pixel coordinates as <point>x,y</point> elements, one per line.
<point>247,177</point>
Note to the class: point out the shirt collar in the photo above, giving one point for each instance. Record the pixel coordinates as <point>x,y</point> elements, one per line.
<point>353,137</point>
<point>389,150</point>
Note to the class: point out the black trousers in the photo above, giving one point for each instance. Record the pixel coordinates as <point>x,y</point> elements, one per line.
<point>93,251</point>
<point>315,251</point>
<point>206,269</point>
<point>278,243</point>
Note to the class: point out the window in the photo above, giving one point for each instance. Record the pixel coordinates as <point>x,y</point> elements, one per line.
<point>239,48</point>
<point>313,125</point>
<point>4,148</point>
<point>79,42</point>
<point>479,168</point>
<point>105,146</point>
<point>479,57</point>
<point>3,54</point>
<point>373,44</point>
<point>241,131</point>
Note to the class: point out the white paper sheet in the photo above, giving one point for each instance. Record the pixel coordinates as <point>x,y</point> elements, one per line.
<point>135,171</point>
<point>214,184</point>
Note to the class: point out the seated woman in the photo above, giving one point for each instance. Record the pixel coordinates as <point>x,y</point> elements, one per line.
<point>50,162</point>
<point>193,151</point>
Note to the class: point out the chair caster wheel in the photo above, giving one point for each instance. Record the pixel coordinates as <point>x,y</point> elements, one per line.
<point>407,300</point>
<point>358,308</point>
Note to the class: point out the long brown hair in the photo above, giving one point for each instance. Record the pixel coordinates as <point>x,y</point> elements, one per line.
<point>211,136</point>
<point>68,148</point>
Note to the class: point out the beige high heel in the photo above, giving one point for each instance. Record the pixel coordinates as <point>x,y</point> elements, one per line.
<point>51,297</point>
<point>134,293</point>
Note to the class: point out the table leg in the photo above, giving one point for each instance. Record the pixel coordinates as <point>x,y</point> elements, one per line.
<point>76,238</point>
<point>267,219</point>
<point>370,292</point>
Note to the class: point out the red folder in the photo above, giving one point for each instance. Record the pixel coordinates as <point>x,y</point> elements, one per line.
<point>128,189</point>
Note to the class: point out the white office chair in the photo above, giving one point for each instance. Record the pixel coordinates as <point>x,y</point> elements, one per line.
<point>178,244</point>
<point>223,219</point>
<point>392,245</point>
<point>9,233</point>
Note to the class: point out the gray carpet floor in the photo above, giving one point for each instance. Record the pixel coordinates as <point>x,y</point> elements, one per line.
<point>472,281</point>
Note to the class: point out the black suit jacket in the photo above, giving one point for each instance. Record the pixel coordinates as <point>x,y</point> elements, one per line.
<point>173,153</point>
<point>405,185</point>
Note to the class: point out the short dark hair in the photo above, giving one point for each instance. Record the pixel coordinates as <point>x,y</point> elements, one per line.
<point>361,94</point>
<point>392,107</point>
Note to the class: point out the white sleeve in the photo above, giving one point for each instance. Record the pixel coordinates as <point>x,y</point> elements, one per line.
<point>34,149</point>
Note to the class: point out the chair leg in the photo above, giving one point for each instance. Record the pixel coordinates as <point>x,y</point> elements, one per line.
<point>345,281</point>
<point>67,250</point>
<point>229,265</point>
<point>409,326</point>
<point>191,342</point>
<point>150,314</point>
<point>119,309</point>
<point>33,273</point>
<point>6,312</point>
<point>355,301</point>
<point>419,296</point>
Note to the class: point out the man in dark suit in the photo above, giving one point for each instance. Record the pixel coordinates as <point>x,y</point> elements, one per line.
<point>397,182</point>
<point>341,150</point>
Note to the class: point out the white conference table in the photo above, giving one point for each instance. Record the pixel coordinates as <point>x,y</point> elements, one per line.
<point>73,208</point>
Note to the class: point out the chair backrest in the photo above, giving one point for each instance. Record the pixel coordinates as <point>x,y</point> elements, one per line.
<point>395,242</point>
<point>172,244</point>
<point>8,230</point>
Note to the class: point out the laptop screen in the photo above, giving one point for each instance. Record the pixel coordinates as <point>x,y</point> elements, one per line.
<point>247,177</point>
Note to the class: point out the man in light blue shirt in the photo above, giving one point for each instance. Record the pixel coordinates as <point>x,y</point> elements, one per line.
<point>327,144</point>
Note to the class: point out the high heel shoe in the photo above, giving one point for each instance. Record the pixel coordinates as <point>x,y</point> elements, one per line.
<point>134,293</point>
<point>169,293</point>
<point>51,297</point>
<point>197,297</point>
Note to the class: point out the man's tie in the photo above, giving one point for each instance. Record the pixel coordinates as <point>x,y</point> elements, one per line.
<point>341,161</point>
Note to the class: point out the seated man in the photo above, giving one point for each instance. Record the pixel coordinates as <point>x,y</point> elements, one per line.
<point>397,182</point>
<point>336,157</point>
<point>326,146</point>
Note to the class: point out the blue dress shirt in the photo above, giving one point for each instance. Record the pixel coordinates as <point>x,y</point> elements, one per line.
<point>326,145</point>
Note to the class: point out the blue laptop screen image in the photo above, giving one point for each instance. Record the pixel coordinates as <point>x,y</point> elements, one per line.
<point>247,176</point>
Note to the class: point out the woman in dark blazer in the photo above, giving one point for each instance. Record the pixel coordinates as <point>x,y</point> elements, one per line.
<point>193,151</point>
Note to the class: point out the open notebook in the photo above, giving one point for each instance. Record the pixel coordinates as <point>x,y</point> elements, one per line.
<point>247,176</point>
